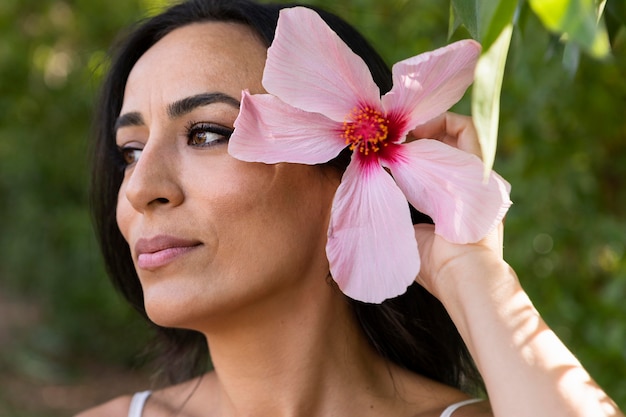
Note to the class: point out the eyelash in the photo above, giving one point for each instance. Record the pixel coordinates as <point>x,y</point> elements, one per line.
<point>124,155</point>
<point>218,135</point>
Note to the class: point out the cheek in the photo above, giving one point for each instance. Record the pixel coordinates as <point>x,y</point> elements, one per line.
<point>261,203</point>
<point>283,204</point>
<point>238,199</point>
<point>123,213</point>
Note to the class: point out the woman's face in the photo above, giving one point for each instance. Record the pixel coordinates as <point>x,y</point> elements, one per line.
<point>210,234</point>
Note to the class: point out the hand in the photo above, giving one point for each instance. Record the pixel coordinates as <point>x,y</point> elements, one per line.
<point>439,257</point>
<point>502,330</point>
<point>452,129</point>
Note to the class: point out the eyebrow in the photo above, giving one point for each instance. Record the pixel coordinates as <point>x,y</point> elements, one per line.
<point>186,105</point>
<point>128,119</point>
<point>179,108</point>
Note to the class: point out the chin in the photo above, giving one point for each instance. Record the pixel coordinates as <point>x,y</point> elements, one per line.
<point>171,305</point>
<point>177,304</point>
<point>168,314</point>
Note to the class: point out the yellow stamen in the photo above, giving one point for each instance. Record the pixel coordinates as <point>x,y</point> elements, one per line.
<point>365,129</point>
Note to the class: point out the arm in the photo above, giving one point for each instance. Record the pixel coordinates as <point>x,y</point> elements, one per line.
<point>527,369</point>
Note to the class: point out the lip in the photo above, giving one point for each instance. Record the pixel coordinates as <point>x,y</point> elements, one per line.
<point>158,251</point>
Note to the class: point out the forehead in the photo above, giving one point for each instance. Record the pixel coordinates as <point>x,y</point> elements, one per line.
<point>200,57</point>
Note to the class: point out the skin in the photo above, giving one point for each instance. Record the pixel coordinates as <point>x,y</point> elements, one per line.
<point>200,193</point>
<point>254,278</point>
<point>498,322</point>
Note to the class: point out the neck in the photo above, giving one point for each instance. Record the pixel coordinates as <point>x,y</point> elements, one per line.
<point>296,356</point>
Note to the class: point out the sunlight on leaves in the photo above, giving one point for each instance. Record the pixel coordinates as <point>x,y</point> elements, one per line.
<point>490,23</point>
<point>578,20</point>
<point>154,7</point>
<point>486,95</point>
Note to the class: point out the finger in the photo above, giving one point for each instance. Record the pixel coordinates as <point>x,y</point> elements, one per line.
<point>432,129</point>
<point>452,129</point>
<point>462,128</point>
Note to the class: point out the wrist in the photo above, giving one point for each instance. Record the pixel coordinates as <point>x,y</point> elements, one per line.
<point>472,275</point>
<point>477,288</point>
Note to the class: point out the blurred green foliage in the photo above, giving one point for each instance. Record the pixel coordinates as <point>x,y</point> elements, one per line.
<point>51,57</point>
<point>562,146</point>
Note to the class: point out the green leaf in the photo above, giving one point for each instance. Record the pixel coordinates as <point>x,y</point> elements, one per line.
<point>615,19</point>
<point>486,95</point>
<point>571,58</point>
<point>467,12</point>
<point>154,7</point>
<point>522,19</point>
<point>617,9</point>
<point>496,20</point>
<point>577,20</point>
<point>484,20</point>
<point>453,23</point>
<point>600,8</point>
<point>551,12</point>
<point>614,26</point>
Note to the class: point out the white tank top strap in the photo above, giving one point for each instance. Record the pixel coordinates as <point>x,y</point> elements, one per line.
<point>137,403</point>
<point>452,408</point>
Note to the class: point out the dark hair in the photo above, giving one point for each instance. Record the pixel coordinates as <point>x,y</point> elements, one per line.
<point>412,330</point>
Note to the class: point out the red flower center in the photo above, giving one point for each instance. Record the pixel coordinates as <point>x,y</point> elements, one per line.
<point>366,129</point>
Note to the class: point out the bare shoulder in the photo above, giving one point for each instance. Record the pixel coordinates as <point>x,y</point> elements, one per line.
<point>193,393</point>
<point>428,398</point>
<point>117,407</point>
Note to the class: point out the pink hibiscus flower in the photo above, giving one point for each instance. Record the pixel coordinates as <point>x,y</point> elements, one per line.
<point>321,99</point>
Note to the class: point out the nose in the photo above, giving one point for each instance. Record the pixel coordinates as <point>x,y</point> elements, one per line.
<point>154,181</point>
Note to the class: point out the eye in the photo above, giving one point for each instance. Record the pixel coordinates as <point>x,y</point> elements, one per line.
<point>204,135</point>
<point>129,155</point>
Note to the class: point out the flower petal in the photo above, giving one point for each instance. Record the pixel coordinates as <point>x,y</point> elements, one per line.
<point>371,242</point>
<point>447,184</point>
<point>430,83</point>
<point>268,130</point>
<point>310,67</point>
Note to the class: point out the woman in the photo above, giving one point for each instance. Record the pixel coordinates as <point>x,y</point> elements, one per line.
<point>235,253</point>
